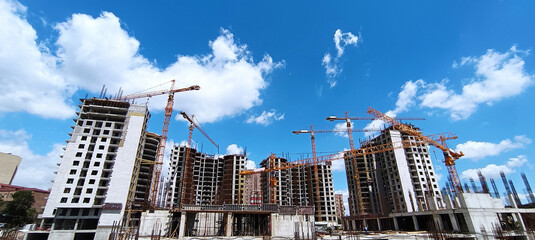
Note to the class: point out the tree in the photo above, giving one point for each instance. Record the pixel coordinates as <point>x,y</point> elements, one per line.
<point>19,211</point>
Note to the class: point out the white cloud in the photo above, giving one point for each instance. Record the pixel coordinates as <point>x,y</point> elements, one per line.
<point>332,68</point>
<point>345,195</point>
<point>250,164</point>
<point>341,129</point>
<point>341,40</point>
<point>497,76</point>
<point>339,164</point>
<point>29,80</point>
<point>478,150</point>
<point>266,118</point>
<point>234,149</point>
<point>35,170</point>
<point>405,100</point>
<point>96,51</point>
<point>493,170</point>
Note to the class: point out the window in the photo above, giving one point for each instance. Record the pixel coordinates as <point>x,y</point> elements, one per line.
<point>63,200</point>
<point>106,132</point>
<point>76,163</point>
<point>73,171</point>
<point>99,155</point>
<point>91,181</point>
<point>87,130</point>
<point>75,200</point>
<point>89,190</point>
<point>108,124</point>
<point>101,147</point>
<point>88,122</point>
<point>104,139</point>
<point>78,154</point>
<point>86,200</point>
<point>94,172</point>
<point>96,163</point>
<point>83,138</point>
<point>66,190</point>
<point>70,180</point>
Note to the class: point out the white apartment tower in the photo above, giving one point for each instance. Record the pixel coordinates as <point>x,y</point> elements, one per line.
<point>395,181</point>
<point>101,171</point>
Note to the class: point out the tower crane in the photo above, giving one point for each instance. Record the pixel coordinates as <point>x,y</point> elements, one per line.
<point>187,194</point>
<point>439,142</point>
<point>371,149</point>
<point>161,147</point>
<point>163,139</point>
<point>356,173</point>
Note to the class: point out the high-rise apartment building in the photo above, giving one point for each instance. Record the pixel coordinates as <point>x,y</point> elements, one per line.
<point>395,181</point>
<point>101,171</point>
<point>340,208</point>
<point>253,189</point>
<point>232,183</point>
<point>10,163</point>
<point>276,185</point>
<point>297,186</point>
<point>207,174</point>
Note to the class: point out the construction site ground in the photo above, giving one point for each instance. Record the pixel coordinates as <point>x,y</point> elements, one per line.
<point>346,236</point>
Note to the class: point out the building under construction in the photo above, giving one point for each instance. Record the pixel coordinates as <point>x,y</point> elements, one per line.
<point>206,178</point>
<point>394,181</point>
<point>105,174</point>
<point>296,186</point>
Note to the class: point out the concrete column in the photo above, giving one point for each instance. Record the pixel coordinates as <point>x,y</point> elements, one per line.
<point>438,221</point>
<point>454,223</point>
<point>447,201</point>
<point>415,222</point>
<point>42,223</point>
<point>354,224</point>
<point>519,219</point>
<point>182,226</point>
<point>396,225</point>
<point>379,224</point>
<point>228,230</point>
<point>512,201</point>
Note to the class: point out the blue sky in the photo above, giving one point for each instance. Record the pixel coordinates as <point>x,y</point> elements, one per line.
<point>268,68</point>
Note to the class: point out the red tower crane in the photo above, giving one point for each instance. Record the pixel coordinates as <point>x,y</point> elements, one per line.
<point>163,139</point>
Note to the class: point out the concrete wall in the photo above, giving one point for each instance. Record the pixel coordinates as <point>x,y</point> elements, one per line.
<point>157,220</point>
<point>124,165</point>
<point>61,235</point>
<point>404,174</point>
<point>479,200</point>
<point>285,226</point>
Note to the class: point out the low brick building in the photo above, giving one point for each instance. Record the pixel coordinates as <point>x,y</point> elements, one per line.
<point>40,196</point>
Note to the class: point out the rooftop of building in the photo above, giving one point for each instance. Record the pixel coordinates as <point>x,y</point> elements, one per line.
<point>14,188</point>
